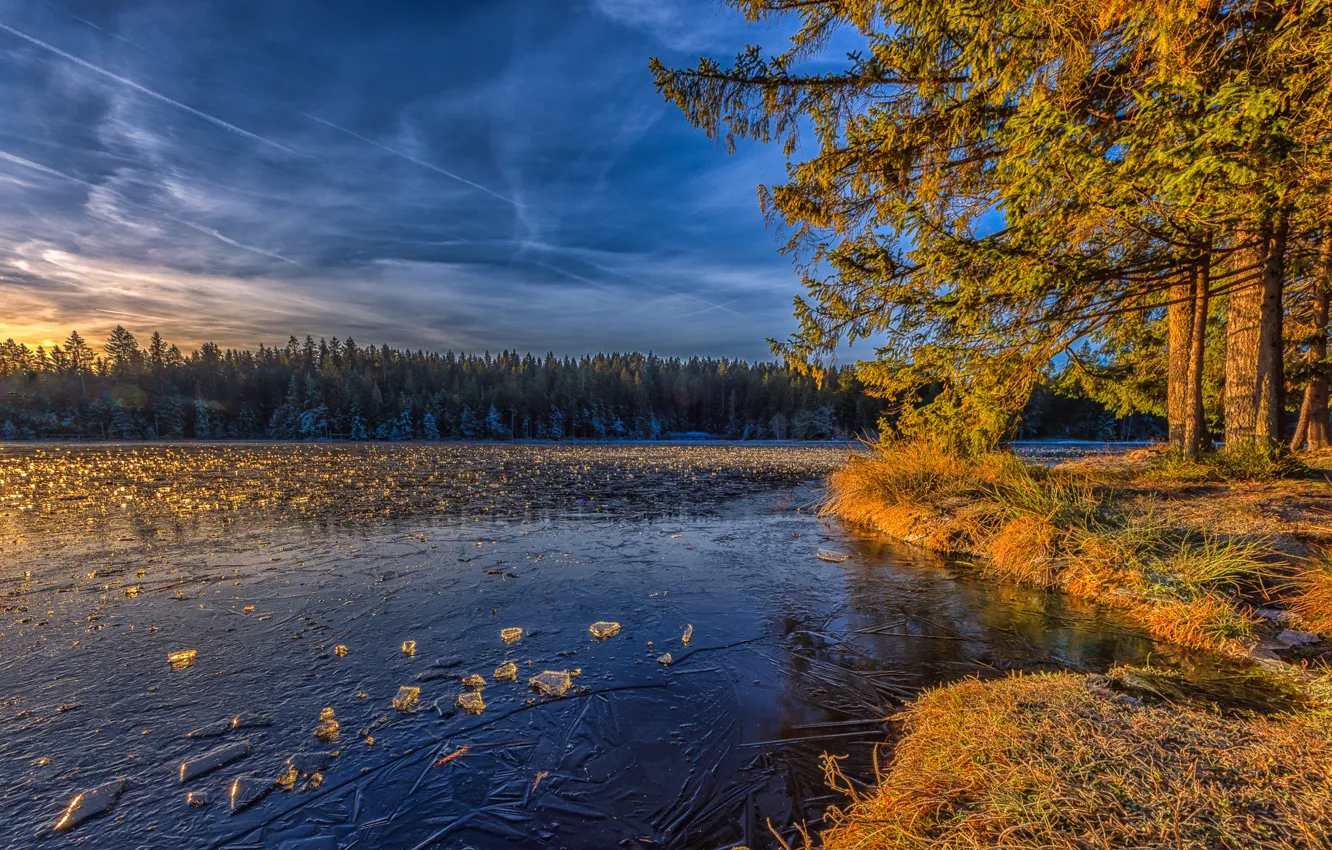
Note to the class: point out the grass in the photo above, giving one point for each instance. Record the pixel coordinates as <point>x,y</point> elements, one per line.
<point>1313,593</point>
<point>1055,761</point>
<point>1067,528</point>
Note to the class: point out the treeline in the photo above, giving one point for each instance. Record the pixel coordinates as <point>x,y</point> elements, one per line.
<point>334,389</point>
<point>1138,194</point>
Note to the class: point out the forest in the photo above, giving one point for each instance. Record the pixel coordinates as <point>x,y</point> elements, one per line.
<point>1139,193</point>
<point>334,389</point>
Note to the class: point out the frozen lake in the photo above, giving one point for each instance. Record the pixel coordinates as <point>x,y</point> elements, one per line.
<point>265,559</point>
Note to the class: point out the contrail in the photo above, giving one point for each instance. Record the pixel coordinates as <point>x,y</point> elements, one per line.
<point>145,90</point>
<point>207,231</point>
<point>411,159</point>
<point>706,310</point>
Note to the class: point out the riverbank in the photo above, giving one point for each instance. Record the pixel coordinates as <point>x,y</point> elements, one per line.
<point>1230,557</point>
<point>1205,557</point>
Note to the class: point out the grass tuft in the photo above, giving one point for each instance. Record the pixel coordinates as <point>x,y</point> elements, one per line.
<point>1312,602</point>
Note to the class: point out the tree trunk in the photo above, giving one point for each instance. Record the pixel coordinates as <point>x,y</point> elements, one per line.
<point>1179,347</point>
<point>1242,322</point>
<point>1255,381</point>
<point>1313,428</point>
<point>1195,425</point>
<point>1271,430</point>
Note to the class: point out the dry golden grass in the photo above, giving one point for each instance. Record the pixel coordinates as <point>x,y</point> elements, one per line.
<point>1313,594</point>
<point>1067,528</point>
<point>1051,762</point>
<point>1210,622</point>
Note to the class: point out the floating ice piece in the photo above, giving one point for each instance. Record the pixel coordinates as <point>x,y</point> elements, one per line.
<point>132,591</point>
<point>340,650</point>
<point>511,635</point>
<point>211,730</point>
<point>408,699</point>
<point>409,648</point>
<point>688,634</point>
<point>327,730</point>
<point>182,659</point>
<point>551,683</point>
<point>471,702</point>
<point>90,804</point>
<point>433,676</point>
<point>1290,637</point>
<point>248,790</point>
<point>251,721</point>
<point>603,629</point>
<point>664,658</point>
<point>287,779</point>
<point>309,762</point>
<point>473,682</point>
<point>506,672</point>
<point>832,556</point>
<point>196,799</point>
<point>213,759</point>
<point>448,662</point>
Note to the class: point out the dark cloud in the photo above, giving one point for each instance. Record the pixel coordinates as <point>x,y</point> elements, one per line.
<point>479,175</point>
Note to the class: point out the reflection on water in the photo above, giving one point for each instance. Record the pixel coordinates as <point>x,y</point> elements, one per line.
<point>791,656</point>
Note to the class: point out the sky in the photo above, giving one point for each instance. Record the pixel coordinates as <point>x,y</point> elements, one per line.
<point>473,176</point>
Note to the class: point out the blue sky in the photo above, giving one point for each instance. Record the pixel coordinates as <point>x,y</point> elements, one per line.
<point>467,175</point>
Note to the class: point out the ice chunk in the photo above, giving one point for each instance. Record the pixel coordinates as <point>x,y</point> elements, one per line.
<point>506,672</point>
<point>308,763</point>
<point>251,721</point>
<point>408,699</point>
<point>211,730</point>
<point>664,658</point>
<point>551,683</point>
<point>1290,637</point>
<point>471,702</point>
<point>327,730</point>
<point>832,556</point>
<point>511,635</point>
<point>248,790</point>
<point>182,659</point>
<point>603,629</point>
<point>340,650</point>
<point>213,759</point>
<point>287,779</point>
<point>409,648</point>
<point>688,634</point>
<point>90,804</point>
<point>473,682</point>
<point>196,799</point>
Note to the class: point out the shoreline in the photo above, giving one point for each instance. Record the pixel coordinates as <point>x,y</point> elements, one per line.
<point>1138,757</point>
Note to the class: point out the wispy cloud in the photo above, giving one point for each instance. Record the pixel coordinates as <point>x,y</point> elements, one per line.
<point>125,81</point>
<point>412,159</point>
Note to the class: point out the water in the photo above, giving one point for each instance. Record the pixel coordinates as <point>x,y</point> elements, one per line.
<point>265,559</point>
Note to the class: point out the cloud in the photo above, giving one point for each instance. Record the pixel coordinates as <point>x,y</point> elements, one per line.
<point>684,25</point>
<point>475,176</point>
